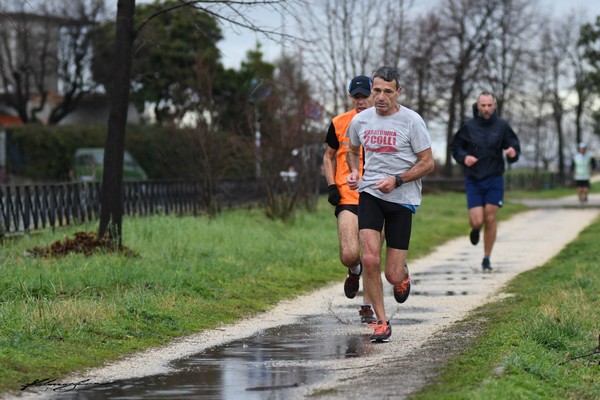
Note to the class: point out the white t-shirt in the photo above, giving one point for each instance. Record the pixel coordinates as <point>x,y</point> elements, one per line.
<point>583,165</point>
<point>391,144</point>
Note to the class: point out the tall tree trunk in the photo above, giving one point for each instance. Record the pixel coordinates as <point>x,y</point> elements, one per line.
<point>456,96</point>
<point>558,117</point>
<point>449,134</point>
<point>578,118</point>
<point>111,201</point>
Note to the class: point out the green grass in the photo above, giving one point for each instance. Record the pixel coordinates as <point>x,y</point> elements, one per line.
<point>192,274</point>
<point>549,193</point>
<point>62,315</point>
<point>541,194</point>
<point>442,217</point>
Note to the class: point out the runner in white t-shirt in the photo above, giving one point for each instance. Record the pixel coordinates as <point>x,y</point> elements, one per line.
<point>398,154</point>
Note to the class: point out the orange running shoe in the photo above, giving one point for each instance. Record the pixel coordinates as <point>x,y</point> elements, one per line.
<point>382,331</point>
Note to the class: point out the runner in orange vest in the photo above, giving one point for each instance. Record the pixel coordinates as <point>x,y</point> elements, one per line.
<point>344,199</point>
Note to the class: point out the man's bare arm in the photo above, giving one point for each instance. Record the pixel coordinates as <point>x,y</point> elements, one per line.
<point>353,157</point>
<point>353,160</point>
<point>329,164</point>
<point>424,166</point>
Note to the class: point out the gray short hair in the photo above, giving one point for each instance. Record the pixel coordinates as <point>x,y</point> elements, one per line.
<point>388,74</point>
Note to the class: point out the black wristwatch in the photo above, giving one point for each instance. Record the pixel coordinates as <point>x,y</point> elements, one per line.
<point>399,181</point>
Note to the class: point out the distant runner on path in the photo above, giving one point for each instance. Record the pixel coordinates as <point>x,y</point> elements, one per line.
<point>582,167</point>
<point>479,146</point>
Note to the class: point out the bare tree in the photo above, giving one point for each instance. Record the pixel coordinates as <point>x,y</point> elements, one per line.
<point>44,53</point>
<point>583,84</point>
<point>559,38</point>
<point>336,46</point>
<point>396,31</point>
<point>291,150</point>
<point>448,55</point>
<point>423,81</point>
<point>468,27</point>
<point>538,88</point>
<point>343,39</point>
<point>27,56</point>
<point>506,61</point>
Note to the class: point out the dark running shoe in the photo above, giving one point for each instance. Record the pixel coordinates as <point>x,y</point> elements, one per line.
<point>402,290</point>
<point>486,265</point>
<point>351,285</point>
<point>474,236</point>
<point>382,331</point>
<point>367,316</point>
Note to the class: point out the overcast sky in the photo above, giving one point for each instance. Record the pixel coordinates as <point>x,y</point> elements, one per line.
<point>236,44</point>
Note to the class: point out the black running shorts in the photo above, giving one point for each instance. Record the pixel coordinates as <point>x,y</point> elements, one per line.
<point>353,208</point>
<point>374,213</point>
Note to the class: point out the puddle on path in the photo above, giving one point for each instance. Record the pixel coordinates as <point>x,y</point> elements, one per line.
<point>264,366</point>
<point>270,364</point>
<point>440,293</point>
<point>451,277</point>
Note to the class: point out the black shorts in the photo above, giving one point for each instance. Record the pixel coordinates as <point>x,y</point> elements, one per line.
<point>374,213</point>
<point>582,183</point>
<point>353,208</point>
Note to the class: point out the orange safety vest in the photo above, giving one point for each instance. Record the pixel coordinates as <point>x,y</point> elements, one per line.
<point>341,123</point>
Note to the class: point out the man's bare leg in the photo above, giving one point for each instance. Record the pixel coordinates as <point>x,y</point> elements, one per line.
<point>349,242</point>
<point>371,261</point>
<point>491,228</point>
<point>395,266</point>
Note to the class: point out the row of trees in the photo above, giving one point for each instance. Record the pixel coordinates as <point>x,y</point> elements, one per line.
<point>164,57</point>
<point>543,69</point>
<point>54,53</point>
<point>287,124</point>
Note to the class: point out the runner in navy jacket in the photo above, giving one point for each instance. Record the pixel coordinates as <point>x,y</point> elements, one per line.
<point>480,146</point>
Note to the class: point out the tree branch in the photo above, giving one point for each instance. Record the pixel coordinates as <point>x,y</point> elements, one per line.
<point>242,22</point>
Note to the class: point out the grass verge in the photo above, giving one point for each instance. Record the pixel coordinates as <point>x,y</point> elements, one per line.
<point>542,342</point>
<point>59,315</point>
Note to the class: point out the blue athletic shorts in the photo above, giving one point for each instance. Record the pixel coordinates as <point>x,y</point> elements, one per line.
<point>374,213</point>
<point>484,191</point>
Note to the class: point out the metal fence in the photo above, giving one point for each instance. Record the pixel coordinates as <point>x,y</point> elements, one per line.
<point>535,181</point>
<point>520,180</point>
<point>24,208</point>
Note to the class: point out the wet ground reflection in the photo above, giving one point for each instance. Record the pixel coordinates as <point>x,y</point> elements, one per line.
<point>274,363</point>
<point>264,366</point>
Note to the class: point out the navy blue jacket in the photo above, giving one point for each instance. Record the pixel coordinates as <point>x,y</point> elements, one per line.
<point>486,140</point>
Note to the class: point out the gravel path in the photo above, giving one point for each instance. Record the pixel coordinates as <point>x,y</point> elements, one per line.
<point>525,242</point>
<point>447,284</point>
